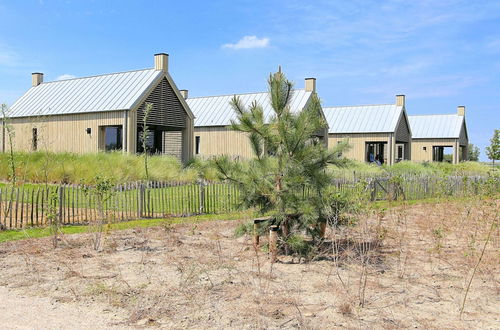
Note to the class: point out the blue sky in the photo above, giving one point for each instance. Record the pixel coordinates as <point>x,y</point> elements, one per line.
<point>439,53</point>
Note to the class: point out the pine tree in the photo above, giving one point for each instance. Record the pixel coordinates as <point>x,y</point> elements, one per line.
<point>493,150</point>
<point>288,176</point>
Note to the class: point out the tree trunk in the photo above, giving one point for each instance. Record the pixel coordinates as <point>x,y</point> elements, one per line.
<point>285,229</point>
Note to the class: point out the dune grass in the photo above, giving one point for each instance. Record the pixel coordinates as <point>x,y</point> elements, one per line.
<point>41,167</point>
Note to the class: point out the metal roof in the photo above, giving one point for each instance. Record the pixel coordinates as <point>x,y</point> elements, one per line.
<point>217,110</point>
<point>436,126</point>
<point>363,119</point>
<point>115,91</point>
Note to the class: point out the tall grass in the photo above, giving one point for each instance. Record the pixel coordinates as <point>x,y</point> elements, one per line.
<point>74,168</point>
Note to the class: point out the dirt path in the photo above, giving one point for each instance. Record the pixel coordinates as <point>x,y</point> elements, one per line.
<point>43,313</point>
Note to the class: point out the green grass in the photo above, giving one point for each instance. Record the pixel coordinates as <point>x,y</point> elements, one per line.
<point>41,167</point>
<point>12,235</point>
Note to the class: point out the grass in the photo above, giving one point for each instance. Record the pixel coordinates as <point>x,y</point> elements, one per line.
<point>41,167</point>
<point>13,235</point>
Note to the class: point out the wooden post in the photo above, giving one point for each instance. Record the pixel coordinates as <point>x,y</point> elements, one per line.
<point>140,202</point>
<point>273,243</point>
<point>322,229</point>
<point>202,197</point>
<point>61,203</point>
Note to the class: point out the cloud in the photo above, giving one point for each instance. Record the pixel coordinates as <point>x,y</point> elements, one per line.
<point>65,76</point>
<point>248,42</point>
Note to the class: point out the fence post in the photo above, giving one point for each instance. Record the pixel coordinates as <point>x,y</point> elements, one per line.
<point>140,204</point>
<point>202,196</point>
<point>372,190</point>
<point>60,193</point>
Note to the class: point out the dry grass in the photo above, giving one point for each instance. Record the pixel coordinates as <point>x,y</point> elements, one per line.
<point>404,267</point>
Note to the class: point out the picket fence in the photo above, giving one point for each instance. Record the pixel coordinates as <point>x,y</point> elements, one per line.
<point>37,205</point>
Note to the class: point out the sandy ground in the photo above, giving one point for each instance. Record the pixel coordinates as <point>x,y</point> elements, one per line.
<point>404,267</point>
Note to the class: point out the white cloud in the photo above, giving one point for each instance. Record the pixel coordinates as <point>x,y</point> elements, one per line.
<point>65,76</point>
<point>248,42</point>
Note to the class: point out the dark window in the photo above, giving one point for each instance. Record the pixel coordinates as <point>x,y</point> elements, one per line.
<point>197,147</point>
<point>400,152</point>
<point>34,141</point>
<point>112,138</point>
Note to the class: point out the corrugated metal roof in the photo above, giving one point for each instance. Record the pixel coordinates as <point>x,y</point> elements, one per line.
<point>363,119</point>
<point>115,91</point>
<point>436,126</point>
<point>217,110</point>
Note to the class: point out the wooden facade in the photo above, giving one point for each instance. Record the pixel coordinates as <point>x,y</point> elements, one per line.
<point>170,123</point>
<point>221,140</point>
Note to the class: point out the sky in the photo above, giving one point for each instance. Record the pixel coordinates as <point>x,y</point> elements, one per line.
<point>440,54</point>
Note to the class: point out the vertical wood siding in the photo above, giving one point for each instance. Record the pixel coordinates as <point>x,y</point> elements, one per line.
<point>418,153</point>
<point>357,143</point>
<point>63,133</point>
<point>222,141</point>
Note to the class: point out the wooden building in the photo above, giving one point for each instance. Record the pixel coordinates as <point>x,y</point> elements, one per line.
<point>101,113</point>
<point>375,132</point>
<point>212,132</point>
<point>433,134</point>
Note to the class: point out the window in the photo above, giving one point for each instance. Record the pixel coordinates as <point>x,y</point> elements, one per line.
<point>112,138</point>
<point>34,140</point>
<point>197,147</point>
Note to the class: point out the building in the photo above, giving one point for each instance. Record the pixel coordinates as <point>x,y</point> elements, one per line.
<point>434,134</point>
<point>102,113</point>
<point>374,132</point>
<point>213,134</point>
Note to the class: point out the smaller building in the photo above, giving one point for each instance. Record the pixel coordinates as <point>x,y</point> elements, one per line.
<point>213,134</point>
<point>376,133</point>
<point>103,113</point>
<point>433,134</point>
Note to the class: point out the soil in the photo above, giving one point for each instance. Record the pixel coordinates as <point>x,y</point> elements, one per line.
<point>404,267</point>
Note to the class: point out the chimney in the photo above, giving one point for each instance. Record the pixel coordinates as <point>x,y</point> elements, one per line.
<point>461,110</point>
<point>36,78</point>
<point>400,100</point>
<point>310,85</point>
<point>184,93</point>
<point>161,62</point>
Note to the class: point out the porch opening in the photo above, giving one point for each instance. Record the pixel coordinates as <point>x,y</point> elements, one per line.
<point>161,140</point>
<point>376,152</point>
<point>442,154</point>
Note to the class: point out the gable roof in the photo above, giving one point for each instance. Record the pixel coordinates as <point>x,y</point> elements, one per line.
<point>217,110</point>
<point>363,118</point>
<point>108,92</point>
<point>436,126</point>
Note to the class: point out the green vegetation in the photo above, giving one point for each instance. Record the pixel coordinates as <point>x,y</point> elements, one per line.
<point>359,169</point>
<point>473,152</point>
<point>288,177</point>
<point>493,150</point>
<point>73,168</point>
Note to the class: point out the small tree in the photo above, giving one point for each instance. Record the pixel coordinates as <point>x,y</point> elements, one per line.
<point>145,136</point>
<point>288,176</point>
<point>473,152</point>
<point>493,150</point>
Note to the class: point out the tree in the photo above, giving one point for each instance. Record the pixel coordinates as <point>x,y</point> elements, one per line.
<point>288,176</point>
<point>473,152</point>
<point>493,150</point>
<point>144,137</point>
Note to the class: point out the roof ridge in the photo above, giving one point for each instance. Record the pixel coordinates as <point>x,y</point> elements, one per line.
<point>436,114</point>
<point>357,106</point>
<point>248,93</point>
<point>93,76</point>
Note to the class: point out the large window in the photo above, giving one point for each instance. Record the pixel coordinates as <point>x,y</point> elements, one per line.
<point>112,138</point>
<point>442,154</point>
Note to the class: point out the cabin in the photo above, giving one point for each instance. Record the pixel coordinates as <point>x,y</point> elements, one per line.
<point>376,133</point>
<point>435,136</point>
<point>103,113</point>
<point>213,135</point>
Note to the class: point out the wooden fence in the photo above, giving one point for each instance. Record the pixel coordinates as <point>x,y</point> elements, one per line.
<point>37,205</point>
